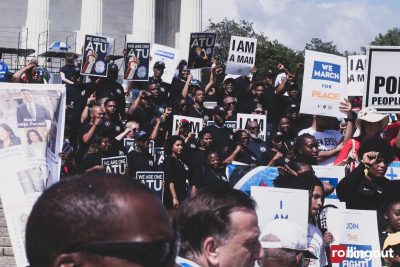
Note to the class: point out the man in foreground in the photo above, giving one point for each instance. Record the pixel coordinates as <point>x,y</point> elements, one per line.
<point>219,227</point>
<point>102,220</point>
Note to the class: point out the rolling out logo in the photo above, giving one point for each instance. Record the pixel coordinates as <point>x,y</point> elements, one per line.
<point>326,71</point>
<point>356,255</point>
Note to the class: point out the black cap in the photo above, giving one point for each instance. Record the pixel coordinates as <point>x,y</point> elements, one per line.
<point>277,135</point>
<point>293,107</point>
<point>140,135</point>
<point>159,65</point>
<point>269,74</point>
<point>218,110</point>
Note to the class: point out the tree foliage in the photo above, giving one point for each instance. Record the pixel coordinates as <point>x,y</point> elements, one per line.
<point>390,38</point>
<point>317,44</point>
<point>268,54</point>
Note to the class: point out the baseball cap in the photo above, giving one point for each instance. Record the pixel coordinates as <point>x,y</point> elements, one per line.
<point>269,74</point>
<point>218,110</point>
<point>277,135</point>
<point>293,107</point>
<point>159,65</point>
<point>282,233</point>
<point>140,135</point>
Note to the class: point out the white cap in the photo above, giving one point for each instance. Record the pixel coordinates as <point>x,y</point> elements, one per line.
<point>287,234</point>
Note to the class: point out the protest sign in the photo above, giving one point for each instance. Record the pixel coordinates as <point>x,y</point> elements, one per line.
<point>154,181</point>
<point>356,75</point>
<point>129,145</point>
<point>159,155</point>
<point>201,49</point>
<point>116,165</point>
<point>94,54</point>
<point>242,119</point>
<point>281,203</point>
<point>382,89</point>
<point>227,124</point>
<point>356,231</point>
<point>330,175</point>
<point>243,177</point>
<point>30,161</point>
<point>242,56</point>
<point>137,62</point>
<point>324,84</point>
<point>196,124</point>
<point>167,55</point>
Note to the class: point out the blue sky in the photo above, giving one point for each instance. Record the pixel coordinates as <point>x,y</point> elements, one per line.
<point>350,24</point>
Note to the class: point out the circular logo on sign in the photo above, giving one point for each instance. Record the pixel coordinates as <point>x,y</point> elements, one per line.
<point>142,72</point>
<point>99,67</point>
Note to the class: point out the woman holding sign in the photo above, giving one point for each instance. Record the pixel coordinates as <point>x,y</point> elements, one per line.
<point>176,173</point>
<point>369,124</point>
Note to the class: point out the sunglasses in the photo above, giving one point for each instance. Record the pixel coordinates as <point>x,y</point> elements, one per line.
<point>157,253</point>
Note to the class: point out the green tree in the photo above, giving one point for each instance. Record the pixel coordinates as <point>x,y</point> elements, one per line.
<point>268,54</point>
<point>317,44</point>
<point>390,38</point>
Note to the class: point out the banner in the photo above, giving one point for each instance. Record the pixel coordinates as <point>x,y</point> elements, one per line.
<point>170,58</point>
<point>137,62</point>
<point>201,50</point>
<point>31,137</point>
<point>382,90</point>
<point>153,180</point>
<point>196,124</point>
<point>227,124</point>
<point>330,175</point>
<point>115,165</point>
<point>242,56</point>
<point>129,145</point>
<point>356,75</point>
<point>281,203</point>
<point>356,233</point>
<point>242,119</point>
<point>158,155</point>
<point>243,177</point>
<point>94,54</point>
<point>324,84</point>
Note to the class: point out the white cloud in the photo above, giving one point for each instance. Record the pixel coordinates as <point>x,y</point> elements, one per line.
<point>348,23</point>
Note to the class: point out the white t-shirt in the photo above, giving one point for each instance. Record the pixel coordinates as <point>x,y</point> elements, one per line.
<point>315,244</point>
<point>327,140</point>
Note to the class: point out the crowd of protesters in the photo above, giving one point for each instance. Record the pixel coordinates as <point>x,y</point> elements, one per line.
<point>101,112</point>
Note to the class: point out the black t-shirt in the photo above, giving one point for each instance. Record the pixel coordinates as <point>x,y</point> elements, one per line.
<point>176,172</point>
<point>165,89</point>
<point>195,158</point>
<point>69,71</point>
<point>244,156</point>
<point>83,147</point>
<point>112,127</point>
<point>206,176</point>
<point>222,136</point>
<point>144,118</point>
<point>93,159</point>
<point>176,90</point>
<point>202,113</point>
<point>140,162</point>
<point>268,155</point>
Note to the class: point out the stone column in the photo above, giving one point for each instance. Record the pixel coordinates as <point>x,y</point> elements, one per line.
<point>91,21</point>
<point>191,16</point>
<point>37,22</point>
<point>143,23</point>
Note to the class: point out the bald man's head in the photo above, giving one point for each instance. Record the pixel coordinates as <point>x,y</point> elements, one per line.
<point>88,209</point>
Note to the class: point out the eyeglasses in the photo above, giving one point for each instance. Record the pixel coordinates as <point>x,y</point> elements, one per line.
<point>259,111</point>
<point>149,254</point>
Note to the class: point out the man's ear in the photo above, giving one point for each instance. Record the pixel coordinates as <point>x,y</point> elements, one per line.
<point>211,251</point>
<point>68,260</point>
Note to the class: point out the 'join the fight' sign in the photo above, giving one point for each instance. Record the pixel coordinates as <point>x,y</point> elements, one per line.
<point>382,89</point>
<point>324,84</point>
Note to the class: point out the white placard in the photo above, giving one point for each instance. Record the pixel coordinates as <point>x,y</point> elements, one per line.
<point>242,119</point>
<point>196,124</point>
<point>170,58</point>
<point>358,231</point>
<point>242,56</point>
<point>324,84</point>
<point>382,89</point>
<point>281,203</point>
<point>356,66</point>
